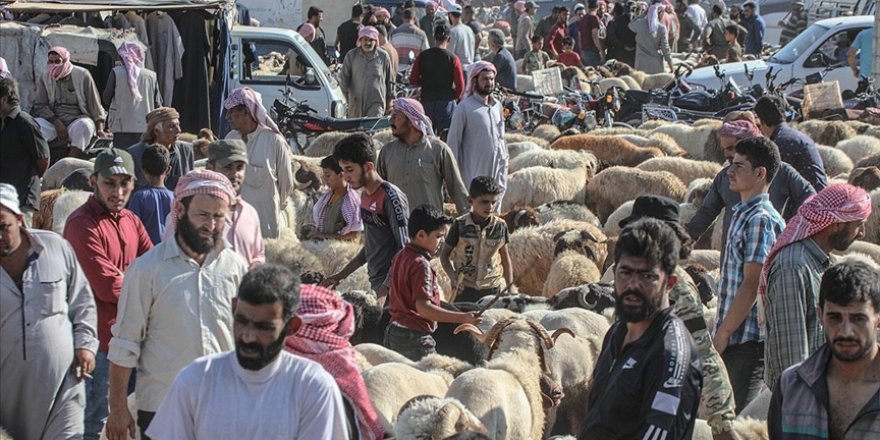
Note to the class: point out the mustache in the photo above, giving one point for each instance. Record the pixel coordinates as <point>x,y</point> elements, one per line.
<point>634,292</point>
<point>849,340</point>
<point>253,347</point>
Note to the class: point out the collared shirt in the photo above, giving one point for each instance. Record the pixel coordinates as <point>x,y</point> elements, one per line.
<point>23,145</point>
<point>476,138</point>
<point>799,151</point>
<point>422,170</point>
<point>413,279</point>
<point>791,307</point>
<point>753,231</point>
<point>171,311</point>
<point>182,162</point>
<point>755,36</point>
<point>105,245</point>
<point>243,233</point>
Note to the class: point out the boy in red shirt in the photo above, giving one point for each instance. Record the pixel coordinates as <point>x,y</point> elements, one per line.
<point>415,293</point>
<point>569,57</point>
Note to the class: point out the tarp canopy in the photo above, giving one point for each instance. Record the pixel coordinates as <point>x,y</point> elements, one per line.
<point>92,5</point>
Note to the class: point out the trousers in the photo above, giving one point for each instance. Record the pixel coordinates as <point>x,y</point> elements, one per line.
<point>81,131</point>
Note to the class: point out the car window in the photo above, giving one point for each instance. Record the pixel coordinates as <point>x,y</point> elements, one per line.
<point>797,47</point>
<point>833,50</point>
<point>270,61</point>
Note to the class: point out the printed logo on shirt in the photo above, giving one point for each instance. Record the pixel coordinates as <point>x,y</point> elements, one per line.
<point>372,207</point>
<point>630,364</point>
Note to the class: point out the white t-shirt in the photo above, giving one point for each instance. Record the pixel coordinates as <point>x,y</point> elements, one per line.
<point>215,398</point>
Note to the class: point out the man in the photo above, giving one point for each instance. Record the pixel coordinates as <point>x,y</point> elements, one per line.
<point>47,323</point>
<point>503,60</point>
<point>175,302</point>
<point>476,135</point>
<point>788,190</point>
<point>648,378</point>
<point>25,155</point>
<point>753,231</point>
<point>426,23</point>
<point>525,30</point>
<point>386,46</point>
<point>553,42</point>
<point>319,43</point>
<point>795,147</point>
<point>258,391</point>
<point>713,34</point>
<point>408,38</point>
<point>512,18</point>
<point>620,39</point>
<point>542,29</point>
<point>268,182</point>
<point>461,37</point>
<point>368,77</point>
<point>592,48</point>
<point>347,32</point>
<point>835,393</point>
<point>130,95</point>
<point>469,18</point>
<point>735,15</point>
<point>230,158</point>
<point>830,221</point>
<point>755,27</point>
<point>794,23</point>
<point>417,162</point>
<point>863,46</point>
<point>106,239</point>
<point>439,74</point>
<point>163,128</point>
<point>384,210</point>
<point>67,104</point>
<point>573,26</point>
<point>696,12</point>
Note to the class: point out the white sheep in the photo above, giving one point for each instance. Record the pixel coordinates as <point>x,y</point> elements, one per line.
<point>515,149</point>
<point>657,80</point>
<point>615,186</point>
<point>697,191</point>
<point>322,146</point>
<point>569,269</point>
<point>560,159</point>
<point>708,258</point>
<point>612,223</point>
<point>548,132</point>
<point>759,406</point>
<point>868,249</point>
<point>859,147</point>
<point>872,226</point>
<point>512,138</point>
<point>53,176</point>
<point>826,132</point>
<point>565,210</point>
<point>835,161</point>
<point>65,205</point>
<point>376,354</point>
<point>607,83</point>
<point>630,82</point>
<point>745,428</point>
<point>662,141</point>
<point>391,385</point>
<point>429,417</point>
<point>538,185</point>
<point>700,142</point>
<point>687,170</point>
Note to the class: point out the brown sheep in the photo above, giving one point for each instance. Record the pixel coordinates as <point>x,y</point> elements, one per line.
<point>617,185</point>
<point>43,218</point>
<point>870,161</point>
<point>610,149</point>
<point>867,178</point>
<point>520,217</point>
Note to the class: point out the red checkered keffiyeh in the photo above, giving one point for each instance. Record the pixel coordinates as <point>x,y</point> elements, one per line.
<point>198,182</point>
<point>476,69</point>
<point>740,130</point>
<point>328,322</point>
<point>415,113</point>
<point>253,100</point>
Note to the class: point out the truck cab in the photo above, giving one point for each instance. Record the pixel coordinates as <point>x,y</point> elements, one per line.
<point>269,60</point>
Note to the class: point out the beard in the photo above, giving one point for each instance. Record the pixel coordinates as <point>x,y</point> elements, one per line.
<point>863,352</point>
<point>192,239</point>
<point>267,354</point>
<point>5,249</point>
<point>841,240</point>
<point>636,314</point>
<point>483,91</point>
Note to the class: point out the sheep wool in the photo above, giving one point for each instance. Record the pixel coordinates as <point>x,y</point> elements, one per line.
<point>548,132</point>
<point>872,226</point>
<point>515,149</point>
<point>53,176</point>
<point>391,385</point>
<point>435,418</point>
<point>322,146</point>
<point>560,159</point>
<point>609,149</point>
<point>510,138</point>
<point>569,269</point>
<point>700,142</point>
<point>836,161</point>
<point>859,147</point>
<point>64,206</point>
<point>538,185</point>
<point>615,186</point>
<point>566,211</point>
<point>686,170</point>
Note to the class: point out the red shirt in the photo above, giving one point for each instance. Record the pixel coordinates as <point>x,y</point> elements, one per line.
<point>105,245</point>
<point>413,278</point>
<point>554,39</point>
<point>588,23</point>
<point>569,59</point>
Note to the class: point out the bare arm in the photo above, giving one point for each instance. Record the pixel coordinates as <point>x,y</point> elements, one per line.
<point>429,311</point>
<point>852,61</point>
<point>446,262</point>
<point>743,301</point>
<point>120,423</point>
<point>507,266</point>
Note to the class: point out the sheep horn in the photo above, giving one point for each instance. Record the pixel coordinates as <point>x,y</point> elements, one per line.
<point>496,329</point>
<point>582,301</point>
<point>296,166</point>
<point>587,235</point>
<point>472,329</point>
<point>561,331</point>
<point>542,333</point>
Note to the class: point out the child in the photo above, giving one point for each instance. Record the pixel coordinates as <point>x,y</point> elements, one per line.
<point>152,203</point>
<point>336,214</point>
<point>535,59</point>
<point>734,52</point>
<point>415,293</point>
<point>568,56</point>
<point>475,253</point>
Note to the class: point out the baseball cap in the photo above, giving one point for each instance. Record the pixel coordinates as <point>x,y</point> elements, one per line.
<point>578,7</point>
<point>114,161</point>
<point>454,9</point>
<point>225,151</point>
<point>532,5</point>
<point>9,198</point>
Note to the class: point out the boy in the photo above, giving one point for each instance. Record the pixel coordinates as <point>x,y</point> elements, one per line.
<point>568,56</point>
<point>415,293</point>
<point>152,203</point>
<point>735,51</point>
<point>535,59</point>
<point>474,255</point>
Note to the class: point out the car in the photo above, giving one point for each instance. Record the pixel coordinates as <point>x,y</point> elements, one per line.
<point>822,45</point>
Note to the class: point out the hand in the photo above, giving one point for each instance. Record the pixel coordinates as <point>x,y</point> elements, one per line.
<point>720,341</point>
<point>83,363</point>
<point>61,131</point>
<point>332,281</point>
<point>382,292</point>
<point>471,318</point>
<point>101,134</point>
<point>119,423</point>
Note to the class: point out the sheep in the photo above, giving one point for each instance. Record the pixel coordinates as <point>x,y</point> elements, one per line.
<point>686,170</point>
<point>559,159</point>
<point>570,268</point>
<point>333,254</point>
<point>700,142</point>
<point>745,428</point>
<point>515,149</point>
<point>697,191</point>
<point>612,223</point>
<point>836,161</point>
<point>710,259</point>
<point>515,303</point>
<point>376,354</point>
<point>538,185</point>
<point>657,80</point>
<point>548,132</point>
<point>510,394</point>
<point>78,179</point>
<point>565,210</point>
<point>520,217</point>
<point>59,170</point>
<point>616,185</point>
<point>431,417</point>
<point>381,138</point>
<point>306,172</point>
<point>595,297</point>
<point>392,384</point>
<point>857,257</point>
<point>758,407</point>
<point>859,147</point>
<point>872,225</point>
<point>607,83</point>
<point>826,132</point>
<point>43,217</point>
<point>630,82</point>
<point>66,203</point>
<point>510,138</point>
<point>322,146</point>
<point>867,178</point>
<point>871,250</point>
<point>610,149</point>
<point>869,161</point>
<point>664,142</point>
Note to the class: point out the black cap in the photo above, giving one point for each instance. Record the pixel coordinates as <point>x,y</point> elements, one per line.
<point>657,207</point>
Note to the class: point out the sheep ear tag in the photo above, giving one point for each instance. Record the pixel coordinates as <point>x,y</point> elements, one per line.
<point>551,392</point>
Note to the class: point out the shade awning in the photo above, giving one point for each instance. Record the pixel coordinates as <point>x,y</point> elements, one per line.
<point>91,5</point>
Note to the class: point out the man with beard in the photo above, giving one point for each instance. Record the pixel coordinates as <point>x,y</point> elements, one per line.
<point>258,391</point>
<point>229,158</point>
<point>835,393</point>
<point>175,302</point>
<point>648,377</point>
<point>47,329</point>
<point>368,76</point>
<point>419,163</point>
<point>106,238</point>
<point>384,211</point>
<point>789,288</point>
<point>163,128</point>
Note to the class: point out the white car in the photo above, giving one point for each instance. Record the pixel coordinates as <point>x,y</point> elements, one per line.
<point>821,45</point>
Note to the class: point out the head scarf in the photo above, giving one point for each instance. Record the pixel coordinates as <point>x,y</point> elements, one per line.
<point>740,130</point>
<point>838,203</point>
<point>328,323</point>
<point>654,19</point>
<point>133,58</point>
<point>520,6</point>
<point>307,30</point>
<point>4,69</point>
<point>156,116</point>
<point>251,99</point>
<point>415,113</point>
<point>381,12</point>
<point>368,32</point>
<point>198,182</point>
<point>58,71</point>
<point>476,69</point>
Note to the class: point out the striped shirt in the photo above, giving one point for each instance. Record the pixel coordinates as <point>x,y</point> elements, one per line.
<point>754,227</point>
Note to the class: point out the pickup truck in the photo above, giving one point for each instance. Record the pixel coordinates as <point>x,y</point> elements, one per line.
<point>823,44</point>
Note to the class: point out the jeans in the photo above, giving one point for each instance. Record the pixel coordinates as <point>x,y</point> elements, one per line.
<point>440,113</point>
<point>590,57</point>
<point>97,390</point>
<point>413,344</point>
<point>745,368</point>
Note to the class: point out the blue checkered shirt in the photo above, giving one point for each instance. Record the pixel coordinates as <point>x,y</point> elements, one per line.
<point>754,227</point>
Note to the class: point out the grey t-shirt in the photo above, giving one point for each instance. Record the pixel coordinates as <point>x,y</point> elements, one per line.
<point>385,214</point>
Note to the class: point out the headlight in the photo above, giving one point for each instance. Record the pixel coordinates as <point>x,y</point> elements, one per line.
<point>608,98</point>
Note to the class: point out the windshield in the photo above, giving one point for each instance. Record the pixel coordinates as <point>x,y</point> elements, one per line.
<point>800,45</point>
<point>316,62</point>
